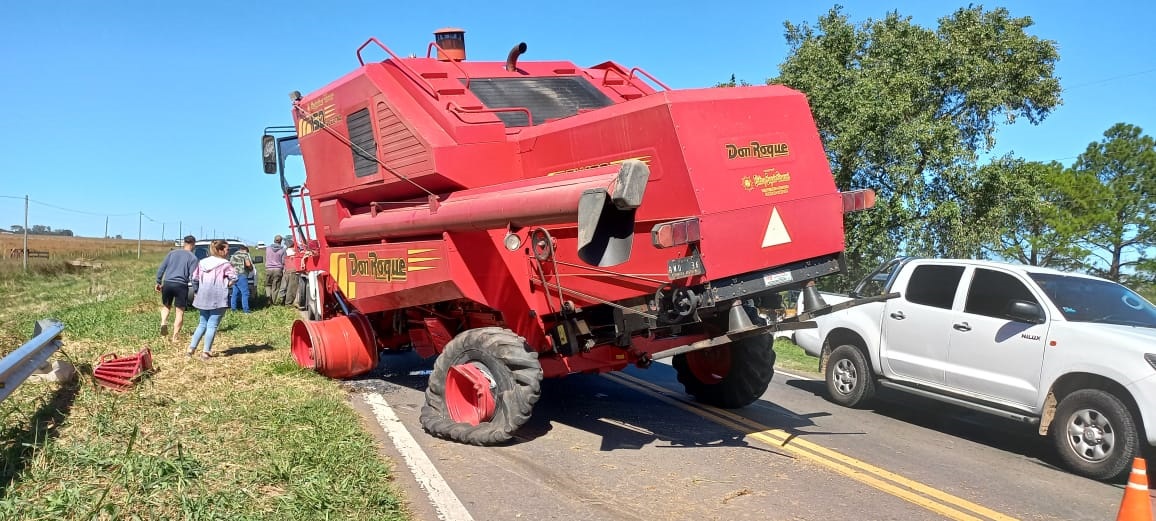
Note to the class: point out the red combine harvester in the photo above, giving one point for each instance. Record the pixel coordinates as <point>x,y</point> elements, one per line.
<point>523,220</point>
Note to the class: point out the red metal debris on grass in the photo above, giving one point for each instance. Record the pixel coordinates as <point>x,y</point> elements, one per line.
<point>119,373</point>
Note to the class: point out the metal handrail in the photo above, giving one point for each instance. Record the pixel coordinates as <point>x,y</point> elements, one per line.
<point>644,73</point>
<point>25,360</point>
<point>405,69</point>
<point>429,53</point>
<point>454,107</point>
<point>629,78</point>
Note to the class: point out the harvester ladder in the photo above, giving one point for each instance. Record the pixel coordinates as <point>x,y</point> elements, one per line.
<point>303,226</point>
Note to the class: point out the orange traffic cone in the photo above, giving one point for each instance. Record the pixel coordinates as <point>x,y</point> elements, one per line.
<point>1136,506</point>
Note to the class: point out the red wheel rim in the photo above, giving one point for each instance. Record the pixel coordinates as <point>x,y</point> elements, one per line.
<point>468,395</point>
<point>301,345</point>
<point>710,366</point>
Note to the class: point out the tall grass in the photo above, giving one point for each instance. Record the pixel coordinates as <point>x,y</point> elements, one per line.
<point>245,435</point>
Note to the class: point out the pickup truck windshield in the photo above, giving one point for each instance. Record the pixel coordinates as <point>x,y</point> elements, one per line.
<point>1089,300</point>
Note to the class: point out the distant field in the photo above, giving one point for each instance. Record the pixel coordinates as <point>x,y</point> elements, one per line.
<point>63,249</point>
<point>72,247</point>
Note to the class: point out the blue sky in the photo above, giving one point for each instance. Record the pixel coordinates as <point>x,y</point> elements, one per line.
<point>115,107</point>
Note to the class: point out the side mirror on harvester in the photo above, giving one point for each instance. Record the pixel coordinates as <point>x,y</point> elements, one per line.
<point>1023,311</point>
<point>269,153</point>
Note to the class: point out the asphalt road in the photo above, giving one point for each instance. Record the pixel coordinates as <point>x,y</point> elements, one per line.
<point>632,446</point>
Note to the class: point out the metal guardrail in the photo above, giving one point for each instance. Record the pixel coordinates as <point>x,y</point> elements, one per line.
<point>17,366</point>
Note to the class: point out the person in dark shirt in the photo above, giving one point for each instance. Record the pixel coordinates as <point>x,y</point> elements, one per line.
<point>173,284</point>
<point>274,265</point>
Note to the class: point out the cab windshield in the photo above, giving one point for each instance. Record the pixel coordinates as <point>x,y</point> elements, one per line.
<point>1098,301</point>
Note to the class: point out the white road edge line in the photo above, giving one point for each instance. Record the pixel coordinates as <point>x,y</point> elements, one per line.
<point>448,506</point>
<point>793,375</point>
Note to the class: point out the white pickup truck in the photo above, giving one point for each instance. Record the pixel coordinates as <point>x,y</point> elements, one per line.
<point>1074,355</point>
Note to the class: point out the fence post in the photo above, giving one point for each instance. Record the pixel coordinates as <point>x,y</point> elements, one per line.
<point>25,232</point>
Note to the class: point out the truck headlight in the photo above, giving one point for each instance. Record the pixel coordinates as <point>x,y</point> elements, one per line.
<point>1151,358</point>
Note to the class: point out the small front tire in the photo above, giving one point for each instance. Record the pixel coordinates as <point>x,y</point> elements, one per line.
<point>514,373</point>
<point>1095,435</point>
<point>850,382</point>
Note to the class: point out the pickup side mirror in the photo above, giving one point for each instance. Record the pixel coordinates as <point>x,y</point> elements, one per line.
<point>258,259</point>
<point>1024,311</point>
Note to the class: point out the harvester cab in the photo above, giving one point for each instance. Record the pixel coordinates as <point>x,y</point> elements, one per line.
<point>281,155</point>
<point>521,220</point>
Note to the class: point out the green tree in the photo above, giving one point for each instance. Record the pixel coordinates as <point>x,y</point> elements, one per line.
<point>905,110</point>
<point>1034,217</point>
<point>1113,189</point>
<point>733,83</point>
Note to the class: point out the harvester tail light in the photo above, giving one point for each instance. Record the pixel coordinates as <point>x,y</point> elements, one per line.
<point>856,200</point>
<point>675,233</point>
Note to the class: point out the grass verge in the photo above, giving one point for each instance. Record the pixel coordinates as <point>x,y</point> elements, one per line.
<point>244,435</point>
<point>791,357</point>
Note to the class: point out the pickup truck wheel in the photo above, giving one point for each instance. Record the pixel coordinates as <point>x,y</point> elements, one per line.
<point>849,379</point>
<point>482,388</point>
<point>728,376</point>
<point>1095,435</point>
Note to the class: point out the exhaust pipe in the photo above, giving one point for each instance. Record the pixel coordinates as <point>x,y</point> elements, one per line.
<point>602,205</point>
<point>512,58</point>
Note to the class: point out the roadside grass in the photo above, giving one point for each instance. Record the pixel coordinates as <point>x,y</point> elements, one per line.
<point>244,435</point>
<point>791,357</point>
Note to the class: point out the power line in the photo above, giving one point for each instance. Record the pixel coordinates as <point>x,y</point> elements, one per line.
<point>1111,78</point>
<point>83,212</point>
<point>99,214</point>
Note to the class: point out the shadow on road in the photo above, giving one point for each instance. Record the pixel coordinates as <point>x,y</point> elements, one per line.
<point>624,418</point>
<point>993,431</point>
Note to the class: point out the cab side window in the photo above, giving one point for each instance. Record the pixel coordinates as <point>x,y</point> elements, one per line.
<point>934,285</point>
<point>991,292</point>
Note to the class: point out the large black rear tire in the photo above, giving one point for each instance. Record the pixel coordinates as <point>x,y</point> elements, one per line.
<point>517,378</point>
<point>728,376</point>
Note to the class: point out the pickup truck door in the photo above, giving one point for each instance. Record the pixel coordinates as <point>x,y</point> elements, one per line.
<point>913,335</point>
<point>989,353</point>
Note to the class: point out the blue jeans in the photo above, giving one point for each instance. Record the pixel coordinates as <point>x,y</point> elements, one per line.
<point>240,289</point>
<point>210,319</point>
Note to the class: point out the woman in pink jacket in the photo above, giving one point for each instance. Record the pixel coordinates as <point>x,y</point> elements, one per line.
<point>213,277</point>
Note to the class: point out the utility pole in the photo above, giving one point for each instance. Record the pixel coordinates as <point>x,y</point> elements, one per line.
<point>139,231</point>
<point>162,232</point>
<point>180,229</point>
<point>106,227</point>
<point>25,232</point>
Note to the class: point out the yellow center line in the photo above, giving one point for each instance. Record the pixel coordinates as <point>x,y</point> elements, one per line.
<point>936,500</point>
